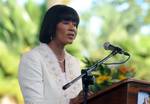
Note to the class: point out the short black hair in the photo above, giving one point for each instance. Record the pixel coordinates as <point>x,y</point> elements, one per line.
<point>53,16</point>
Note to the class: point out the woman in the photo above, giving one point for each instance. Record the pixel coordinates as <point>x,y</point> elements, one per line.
<point>46,68</point>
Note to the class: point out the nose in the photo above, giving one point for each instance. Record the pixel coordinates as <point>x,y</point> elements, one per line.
<point>72,26</point>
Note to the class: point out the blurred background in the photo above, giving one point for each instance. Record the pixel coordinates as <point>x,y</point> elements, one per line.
<point>122,22</point>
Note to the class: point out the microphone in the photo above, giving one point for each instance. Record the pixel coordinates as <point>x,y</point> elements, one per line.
<point>108,46</point>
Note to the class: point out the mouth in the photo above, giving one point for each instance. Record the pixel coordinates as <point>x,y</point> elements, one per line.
<point>71,35</point>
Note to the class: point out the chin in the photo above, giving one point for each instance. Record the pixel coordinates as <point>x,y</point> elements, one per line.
<point>69,42</point>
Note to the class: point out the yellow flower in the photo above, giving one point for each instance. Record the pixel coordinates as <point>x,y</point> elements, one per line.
<point>122,77</point>
<point>100,79</point>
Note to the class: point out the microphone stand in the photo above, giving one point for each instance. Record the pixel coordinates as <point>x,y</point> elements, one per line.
<point>86,78</point>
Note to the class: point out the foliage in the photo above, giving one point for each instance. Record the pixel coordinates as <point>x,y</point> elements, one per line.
<point>106,76</point>
<point>18,33</point>
<point>122,23</point>
<point>18,30</point>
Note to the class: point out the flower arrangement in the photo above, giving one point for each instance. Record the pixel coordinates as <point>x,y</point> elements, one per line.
<point>107,75</point>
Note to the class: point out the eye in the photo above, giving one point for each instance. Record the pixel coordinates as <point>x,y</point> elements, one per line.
<point>74,23</point>
<point>65,22</point>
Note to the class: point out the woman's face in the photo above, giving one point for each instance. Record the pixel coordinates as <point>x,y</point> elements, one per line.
<point>65,32</point>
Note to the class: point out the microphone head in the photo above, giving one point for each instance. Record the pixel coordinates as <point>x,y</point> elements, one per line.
<point>106,45</point>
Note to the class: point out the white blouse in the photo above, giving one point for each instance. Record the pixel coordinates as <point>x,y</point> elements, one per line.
<point>41,78</point>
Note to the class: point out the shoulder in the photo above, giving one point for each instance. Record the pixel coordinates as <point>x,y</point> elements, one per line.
<point>30,64</point>
<point>32,54</point>
<point>37,52</point>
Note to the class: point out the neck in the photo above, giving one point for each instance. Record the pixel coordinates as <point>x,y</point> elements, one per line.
<point>58,49</point>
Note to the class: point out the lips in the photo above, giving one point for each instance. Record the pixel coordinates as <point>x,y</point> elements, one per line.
<point>71,35</point>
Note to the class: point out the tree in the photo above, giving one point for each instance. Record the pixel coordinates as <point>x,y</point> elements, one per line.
<point>18,33</point>
<point>122,22</point>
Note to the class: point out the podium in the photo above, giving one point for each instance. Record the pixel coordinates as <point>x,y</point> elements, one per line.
<point>129,91</point>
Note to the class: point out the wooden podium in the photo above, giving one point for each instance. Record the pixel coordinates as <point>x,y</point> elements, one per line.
<point>124,92</point>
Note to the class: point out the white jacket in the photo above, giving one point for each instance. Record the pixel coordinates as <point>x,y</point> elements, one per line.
<point>41,78</point>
